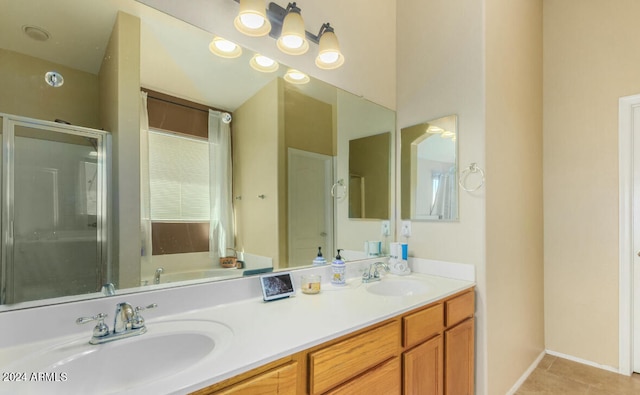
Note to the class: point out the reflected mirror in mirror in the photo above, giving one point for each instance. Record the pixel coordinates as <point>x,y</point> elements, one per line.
<point>428,160</point>
<point>279,131</point>
<point>369,176</point>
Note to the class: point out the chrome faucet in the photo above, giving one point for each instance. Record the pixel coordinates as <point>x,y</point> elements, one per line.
<point>123,317</point>
<point>127,322</point>
<point>368,276</point>
<point>156,278</point>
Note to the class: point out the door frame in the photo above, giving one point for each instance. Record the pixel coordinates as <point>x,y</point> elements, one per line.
<point>627,157</point>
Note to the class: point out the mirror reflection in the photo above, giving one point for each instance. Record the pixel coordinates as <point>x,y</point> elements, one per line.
<point>429,182</point>
<point>287,147</point>
<point>369,170</point>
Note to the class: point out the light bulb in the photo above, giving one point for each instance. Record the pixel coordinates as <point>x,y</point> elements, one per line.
<point>252,21</point>
<point>225,46</point>
<point>291,41</point>
<point>329,57</point>
<point>264,61</point>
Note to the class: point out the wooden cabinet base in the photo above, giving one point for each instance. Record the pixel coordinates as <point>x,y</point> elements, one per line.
<point>423,368</point>
<point>459,359</point>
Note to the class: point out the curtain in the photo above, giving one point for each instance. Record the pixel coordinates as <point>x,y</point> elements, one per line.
<point>145,206</point>
<point>221,229</point>
<point>446,198</point>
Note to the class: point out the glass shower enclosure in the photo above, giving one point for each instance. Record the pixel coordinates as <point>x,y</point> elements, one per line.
<point>54,210</point>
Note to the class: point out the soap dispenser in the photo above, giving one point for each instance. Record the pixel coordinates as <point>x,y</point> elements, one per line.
<point>319,259</point>
<point>338,268</point>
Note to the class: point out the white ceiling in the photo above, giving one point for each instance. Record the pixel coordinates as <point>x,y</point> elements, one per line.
<point>174,55</point>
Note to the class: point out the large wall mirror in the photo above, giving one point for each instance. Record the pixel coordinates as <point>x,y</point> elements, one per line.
<point>429,162</point>
<point>290,144</point>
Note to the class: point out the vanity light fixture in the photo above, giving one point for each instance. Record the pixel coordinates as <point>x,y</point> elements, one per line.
<point>447,134</point>
<point>293,39</point>
<point>296,77</point>
<point>263,63</point>
<point>287,27</point>
<point>434,129</point>
<point>225,48</point>
<point>329,55</point>
<point>252,18</point>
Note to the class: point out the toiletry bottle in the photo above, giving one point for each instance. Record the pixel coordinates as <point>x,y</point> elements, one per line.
<point>338,268</point>
<point>319,260</point>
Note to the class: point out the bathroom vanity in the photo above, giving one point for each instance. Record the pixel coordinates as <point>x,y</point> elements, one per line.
<point>401,334</point>
<point>428,350</point>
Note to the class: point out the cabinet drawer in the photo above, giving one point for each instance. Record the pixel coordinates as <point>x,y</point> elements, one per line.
<point>383,379</point>
<point>280,381</point>
<point>459,308</point>
<point>423,325</point>
<point>337,363</point>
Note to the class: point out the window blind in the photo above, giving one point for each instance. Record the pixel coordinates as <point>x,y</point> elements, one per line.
<point>179,178</point>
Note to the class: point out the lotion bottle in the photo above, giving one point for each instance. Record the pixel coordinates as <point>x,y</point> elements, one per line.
<point>338,268</point>
<point>319,260</point>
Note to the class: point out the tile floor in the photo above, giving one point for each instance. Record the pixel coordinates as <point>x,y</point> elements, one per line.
<point>560,376</point>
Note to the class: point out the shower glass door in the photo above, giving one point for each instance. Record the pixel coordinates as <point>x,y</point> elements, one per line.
<point>55,211</point>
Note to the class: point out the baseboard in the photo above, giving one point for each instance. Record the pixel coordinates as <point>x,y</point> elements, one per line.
<point>584,361</point>
<point>526,374</point>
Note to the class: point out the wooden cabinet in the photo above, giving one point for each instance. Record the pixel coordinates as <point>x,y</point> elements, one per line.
<point>281,377</point>
<point>383,379</point>
<point>458,363</point>
<point>423,372</point>
<point>335,364</point>
<point>426,351</point>
<point>280,381</point>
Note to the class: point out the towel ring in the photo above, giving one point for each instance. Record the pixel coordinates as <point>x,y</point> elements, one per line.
<point>471,169</point>
<point>339,183</point>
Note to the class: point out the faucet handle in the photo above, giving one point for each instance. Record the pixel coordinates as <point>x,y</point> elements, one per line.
<point>151,306</point>
<point>137,320</point>
<point>101,329</point>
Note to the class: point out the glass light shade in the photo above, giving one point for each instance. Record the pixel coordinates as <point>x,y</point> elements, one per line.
<point>263,63</point>
<point>329,55</point>
<point>252,18</point>
<point>296,77</point>
<point>225,48</point>
<point>292,40</point>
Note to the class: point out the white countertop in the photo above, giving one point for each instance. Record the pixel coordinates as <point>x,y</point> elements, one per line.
<point>262,331</point>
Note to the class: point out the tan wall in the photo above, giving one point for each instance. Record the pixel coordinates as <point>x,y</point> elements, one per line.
<point>308,123</point>
<point>514,299</point>
<point>440,72</point>
<point>256,126</point>
<point>120,114</point>
<point>25,92</point>
<point>591,58</point>
<point>369,158</point>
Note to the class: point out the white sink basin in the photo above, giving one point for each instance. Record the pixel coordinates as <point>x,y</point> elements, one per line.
<point>398,287</point>
<point>168,348</point>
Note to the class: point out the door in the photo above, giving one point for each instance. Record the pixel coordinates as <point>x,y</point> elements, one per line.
<point>310,221</point>
<point>633,115</point>
<point>54,206</point>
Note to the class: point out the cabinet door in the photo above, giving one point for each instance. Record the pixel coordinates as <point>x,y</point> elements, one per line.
<point>458,359</point>
<point>384,379</point>
<point>280,381</point>
<point>423,368</point>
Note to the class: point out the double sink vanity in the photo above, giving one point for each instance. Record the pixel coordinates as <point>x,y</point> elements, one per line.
<point>402,334</point>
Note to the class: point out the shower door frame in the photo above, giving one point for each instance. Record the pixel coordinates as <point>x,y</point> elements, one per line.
<point>103,161</point>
